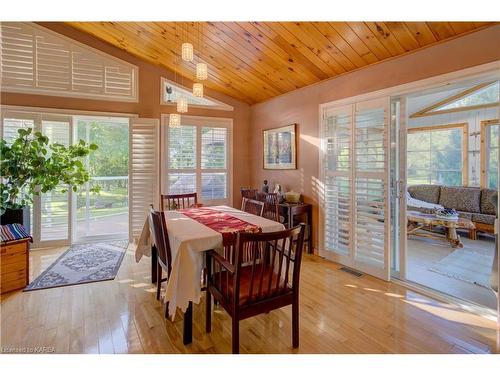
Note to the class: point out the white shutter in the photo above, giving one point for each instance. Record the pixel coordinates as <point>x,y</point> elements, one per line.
<point>214,145</point>
<point>37,60</point>
<point>355,212</point>
<point>181,163</point>
<point>337,155</point>
<point>143,172</point>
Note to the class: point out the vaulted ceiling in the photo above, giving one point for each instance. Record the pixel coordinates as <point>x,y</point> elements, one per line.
<point>255,61</point>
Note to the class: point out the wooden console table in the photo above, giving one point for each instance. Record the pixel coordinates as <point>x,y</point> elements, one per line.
<point>14,265</point>
<point>291,210</point>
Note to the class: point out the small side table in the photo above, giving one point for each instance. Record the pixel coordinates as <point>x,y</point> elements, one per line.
<point>14,265</point>
<point>291,210</point>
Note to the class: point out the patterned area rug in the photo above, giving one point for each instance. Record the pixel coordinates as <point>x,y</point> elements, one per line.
<point>467,265</point>
<point>83,263</point>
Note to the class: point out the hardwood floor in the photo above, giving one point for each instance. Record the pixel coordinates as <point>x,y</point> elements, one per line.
<point>339,313</point>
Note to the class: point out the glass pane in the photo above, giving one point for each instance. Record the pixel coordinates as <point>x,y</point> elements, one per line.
<point>182,147</point>
<point>106,212</point>
<point>181,183</point>
<point>419,141</point>
<point>213,186</point>
<point>370,151</point>
<point>54,204</point>
<point>485,95</point>
<point>213,148</point>
<point>172,92</point>
<point>492,161</point>
<point>12,125</point>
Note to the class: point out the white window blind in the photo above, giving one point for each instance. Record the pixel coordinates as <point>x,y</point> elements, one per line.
<point>198,159</point>
<point>37,60</point>
<point>355,158</point>
<point>143,172</point>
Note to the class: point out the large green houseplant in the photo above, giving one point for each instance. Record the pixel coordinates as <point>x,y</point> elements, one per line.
<point>31,165</point>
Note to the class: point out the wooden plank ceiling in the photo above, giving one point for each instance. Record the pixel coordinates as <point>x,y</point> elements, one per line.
<point>255,61</point>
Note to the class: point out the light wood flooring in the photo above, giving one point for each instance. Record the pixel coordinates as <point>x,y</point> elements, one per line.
<point>423,253</point>
<point>339,313</point>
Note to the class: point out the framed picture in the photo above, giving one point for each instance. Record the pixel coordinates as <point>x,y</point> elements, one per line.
<point>280,148</point>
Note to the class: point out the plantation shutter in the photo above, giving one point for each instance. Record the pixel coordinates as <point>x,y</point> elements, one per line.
<point>371,145</point>
<point>214,147</point>
<point>182,163</point>
<point>355,213</point>
<point>38,60</point>
<point>143,172</point>
<point>337,143</point>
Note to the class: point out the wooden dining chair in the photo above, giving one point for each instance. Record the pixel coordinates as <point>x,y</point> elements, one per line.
<point>178,201</point>
<point>248,193</point>
<point>268,282</point>
<point>252,206</point>
<point>158,227</point>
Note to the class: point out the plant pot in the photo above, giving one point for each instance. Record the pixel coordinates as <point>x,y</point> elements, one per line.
<point>18,215</point>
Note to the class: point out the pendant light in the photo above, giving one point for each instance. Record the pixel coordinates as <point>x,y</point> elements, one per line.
<point>201,71</point>
<point>182,104</point>
<point>174,120</point>
<point>187,52</point>
<point>198,90</point>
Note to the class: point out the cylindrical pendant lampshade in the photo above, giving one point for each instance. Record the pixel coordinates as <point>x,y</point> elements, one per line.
<point>201,71</point>
<point>182,104</point>
<point>187,52</point>
<point>198,90</point>
<point>174,120</point>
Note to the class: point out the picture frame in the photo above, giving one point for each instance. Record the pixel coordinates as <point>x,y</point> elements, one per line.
<point>280,148</point>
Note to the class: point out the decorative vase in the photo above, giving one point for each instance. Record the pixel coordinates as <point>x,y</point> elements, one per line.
<point>17,215</point>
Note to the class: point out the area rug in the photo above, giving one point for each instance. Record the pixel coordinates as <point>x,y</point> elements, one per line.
<point>467,265</point>
<point>82,263</point>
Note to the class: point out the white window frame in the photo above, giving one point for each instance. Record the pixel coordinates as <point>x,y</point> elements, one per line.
<point>220,105</point>
<point>199,122</point>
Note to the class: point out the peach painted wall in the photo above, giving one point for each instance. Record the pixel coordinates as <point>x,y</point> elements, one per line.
<point>149,101</point>
<point>302,106</point>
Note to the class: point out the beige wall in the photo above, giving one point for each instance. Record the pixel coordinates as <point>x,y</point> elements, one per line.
<point>149,101</point>
<point>302,106</point>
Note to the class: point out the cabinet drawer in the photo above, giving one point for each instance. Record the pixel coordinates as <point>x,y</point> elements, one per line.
<point>14,275</point>
<point>13,258</point>
<point>17,263</point>
<point>9,286</point>
<point>14,249</point>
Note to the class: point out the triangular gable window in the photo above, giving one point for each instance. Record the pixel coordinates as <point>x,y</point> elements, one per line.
<point>170,92</point>
<point>483,95</point>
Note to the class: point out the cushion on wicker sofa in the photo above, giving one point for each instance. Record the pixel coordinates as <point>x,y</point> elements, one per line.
<point>427,193</point>
<point>483,218</point>
<point>465,199</point>
<point>487,197</point>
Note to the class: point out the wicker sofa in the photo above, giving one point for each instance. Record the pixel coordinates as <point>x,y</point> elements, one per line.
<point>472,203</point>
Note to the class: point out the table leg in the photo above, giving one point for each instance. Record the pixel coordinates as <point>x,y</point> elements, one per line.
<point>188,325</point>
<point>454,238</point>
<point>154,261</point>
<point>310,223</point>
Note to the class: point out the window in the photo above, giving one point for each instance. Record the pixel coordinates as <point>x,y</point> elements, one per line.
<point>38,60</point>
<point>437,155</point>
<point>171,91</point>
<point>489,154</point>
<point>198,158</point>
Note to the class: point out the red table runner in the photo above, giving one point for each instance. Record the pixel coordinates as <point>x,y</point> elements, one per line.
<point>221,222</point>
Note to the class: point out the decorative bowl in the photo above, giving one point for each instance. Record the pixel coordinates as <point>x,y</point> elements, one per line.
<point>292,197</point>
<point>446,213</point>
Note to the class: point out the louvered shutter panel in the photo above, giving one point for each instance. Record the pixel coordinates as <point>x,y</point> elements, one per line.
<point>143,172</point>
<point>355,212</point>
<point>371,145</point>
<point>38,60</point>
<point>337,143</point>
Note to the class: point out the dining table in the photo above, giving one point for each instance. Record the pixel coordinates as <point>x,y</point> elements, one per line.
<point>191,233</point>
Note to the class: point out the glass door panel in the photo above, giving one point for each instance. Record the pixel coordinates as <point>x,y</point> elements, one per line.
<point>105,213</point>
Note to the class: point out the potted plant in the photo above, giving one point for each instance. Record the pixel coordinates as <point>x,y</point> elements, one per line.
<point>31,165</point>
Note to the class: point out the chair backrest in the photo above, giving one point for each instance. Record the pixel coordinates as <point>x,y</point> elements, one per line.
<point>158,226</point>
<point>248,193</point>
<point>178,201</point>
<point>271,208</point>
<point>274,259</point>
<point>252,206</point>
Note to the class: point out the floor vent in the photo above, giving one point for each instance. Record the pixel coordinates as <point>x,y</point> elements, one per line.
<point>351,271</point>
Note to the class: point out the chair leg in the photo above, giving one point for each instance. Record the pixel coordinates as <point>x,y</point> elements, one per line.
<point>158,282</point>
<point>208,312</point>
<point>166,310</point>
<point>295,324</point>
<point>236,335</point>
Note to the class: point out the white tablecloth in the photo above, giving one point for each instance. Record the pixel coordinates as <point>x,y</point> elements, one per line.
<point>188,240</point>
